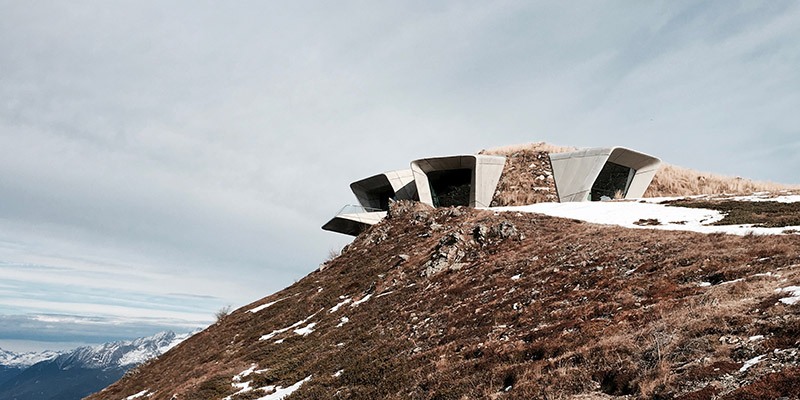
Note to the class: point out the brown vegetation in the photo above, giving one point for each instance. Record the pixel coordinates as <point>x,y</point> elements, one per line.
<point>765,214</point>
<point>672,181</point>
<point>534,147</point>
<point>475,304</point>
<point>527,175</point>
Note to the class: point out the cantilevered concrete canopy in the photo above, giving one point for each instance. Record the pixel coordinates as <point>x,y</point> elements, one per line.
<point>468,180</point>
<point>352,220</point>
<point>375,191</point>
<point>592,174</point>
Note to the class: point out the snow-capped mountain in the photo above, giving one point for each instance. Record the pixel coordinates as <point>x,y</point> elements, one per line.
<point>23,360</point>
<point>119,354</point>
<point>80,372</point>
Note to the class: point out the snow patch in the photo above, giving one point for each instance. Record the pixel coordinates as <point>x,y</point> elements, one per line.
<point>263,306</point>
<point>516,277</point>
<point>363,299</point>
<point>342,321</point>
<point>139,395</point>
<point>238,377</point>
<point>281,393</point>
<point>627,213</point>
<point>339,305</point>
<point>794,295</point>
<point>282,330</point>
<point>766,197</point>
<point>244,387</point>
<point>749,363</point>
<point>306,329</point>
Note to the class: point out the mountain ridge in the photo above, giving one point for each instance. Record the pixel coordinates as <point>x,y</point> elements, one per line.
<point>26,359</point>
<point>79,372</point>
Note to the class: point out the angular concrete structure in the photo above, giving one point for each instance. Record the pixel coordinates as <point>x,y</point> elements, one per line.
<point>352,220</point>
<point>463,180</point>
<point>374,195</point>
<point>376,191</point>
<point>471,180</point>
<point>600,173</point>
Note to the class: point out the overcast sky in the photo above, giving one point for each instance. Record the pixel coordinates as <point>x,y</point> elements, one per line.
<point>161,159</point>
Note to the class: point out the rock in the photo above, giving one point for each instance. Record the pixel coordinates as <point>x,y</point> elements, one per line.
<point>409,209</point>
<point>447,255</point>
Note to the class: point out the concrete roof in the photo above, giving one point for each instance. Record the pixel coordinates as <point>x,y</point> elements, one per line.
<point>353,223</point>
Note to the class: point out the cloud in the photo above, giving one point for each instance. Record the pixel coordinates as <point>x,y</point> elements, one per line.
<point>59,328</point>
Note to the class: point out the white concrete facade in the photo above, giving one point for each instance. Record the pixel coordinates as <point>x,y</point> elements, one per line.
<point>576,173</point>
<point>485,174</point>
<point>373,195</point>
<point>353,223</point>
<point>471,180</point>
<point>398,185</point>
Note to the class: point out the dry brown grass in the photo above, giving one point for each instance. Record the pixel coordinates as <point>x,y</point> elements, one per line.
<point>671,181</point>
<point>527,178</point>
<point>536,147</point>
<point>527,175</point>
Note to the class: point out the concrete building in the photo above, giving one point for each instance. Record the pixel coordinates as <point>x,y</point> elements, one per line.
<point>599,173</point>
<point>471,180</point>
<point>373,195</point>
<point>463,180</point>
<point>376,191</point>
<point>352,220</point>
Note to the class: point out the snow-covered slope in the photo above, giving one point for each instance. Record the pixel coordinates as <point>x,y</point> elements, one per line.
<point>22,360</point>
<point>651,213</point>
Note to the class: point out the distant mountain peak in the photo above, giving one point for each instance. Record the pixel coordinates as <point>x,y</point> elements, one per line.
<point>77,373</point>
<point>23,360</point>
<point>121,353</point>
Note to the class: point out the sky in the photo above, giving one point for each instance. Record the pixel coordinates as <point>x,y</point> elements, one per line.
<point>161,160</point>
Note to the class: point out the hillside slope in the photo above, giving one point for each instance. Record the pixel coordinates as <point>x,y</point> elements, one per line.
<point>460,303</point>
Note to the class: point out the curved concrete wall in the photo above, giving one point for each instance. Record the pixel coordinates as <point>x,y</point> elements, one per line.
<point>486,171</point>
<point>368,191</point>
<point>576,172</point>
<point>353,223</point>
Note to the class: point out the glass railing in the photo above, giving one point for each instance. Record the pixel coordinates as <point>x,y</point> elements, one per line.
<point>357,209</point>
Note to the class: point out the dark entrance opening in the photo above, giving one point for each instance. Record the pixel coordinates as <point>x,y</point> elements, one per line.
<point>450,187</point>
<point>612,182</point>
<point>382,196</point>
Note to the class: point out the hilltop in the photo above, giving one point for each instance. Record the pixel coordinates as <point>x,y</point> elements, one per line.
<point>463,303</point>
<point>669,298</point>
